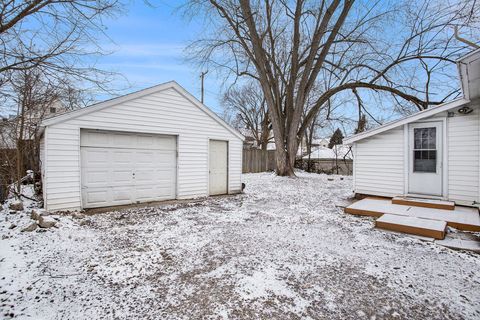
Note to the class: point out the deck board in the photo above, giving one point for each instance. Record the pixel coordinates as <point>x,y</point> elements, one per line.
<point>462,218</point>
<point>412,225</point>
<point>426,203</point>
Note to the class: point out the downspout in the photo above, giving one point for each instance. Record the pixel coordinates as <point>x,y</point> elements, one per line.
<point>467,42</point>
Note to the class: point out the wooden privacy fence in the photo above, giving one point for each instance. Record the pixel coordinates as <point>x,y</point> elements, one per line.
<point>256,160</point>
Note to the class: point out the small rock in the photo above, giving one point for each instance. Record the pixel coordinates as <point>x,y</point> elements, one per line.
<point>44,213</point>
<point>46,222</point>
<point>35,215</point>
<point>31,227</point>
<point>77,215</point>
<point>16,206</point>
<point>330,179</point>
<point>85,222</point>
<point>12,226</point>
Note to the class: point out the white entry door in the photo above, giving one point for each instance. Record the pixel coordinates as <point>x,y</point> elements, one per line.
<point>425,158</point>
<point>123,168</point>
<point>218,167</point>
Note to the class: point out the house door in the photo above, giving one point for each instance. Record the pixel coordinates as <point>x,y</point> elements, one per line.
<point>425,158</point>
<point>218,167</point>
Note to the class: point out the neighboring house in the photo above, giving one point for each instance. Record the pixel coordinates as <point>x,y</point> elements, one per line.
<point>322,142</point>
<point>434,153</point>
<point>302,148</point>
<point>155,144</point>
<point>10,127</point>
<point>338,160</point>
<point>325,153</point>
<point>7,133</point>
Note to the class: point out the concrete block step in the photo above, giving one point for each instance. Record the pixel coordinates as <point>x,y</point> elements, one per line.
<point>425,203</point>
<point>412,225</point>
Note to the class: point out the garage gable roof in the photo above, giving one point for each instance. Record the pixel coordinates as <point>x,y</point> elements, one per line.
<point>414,117</point>
<point>135,95</point>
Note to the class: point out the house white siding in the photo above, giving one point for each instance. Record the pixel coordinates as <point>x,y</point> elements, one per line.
<point>463,138</point>
<point>167,112</point>
<point>380,160</point>
<point>379,164</point>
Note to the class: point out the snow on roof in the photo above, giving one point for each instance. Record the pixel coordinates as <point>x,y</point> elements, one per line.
<point>338,152</point>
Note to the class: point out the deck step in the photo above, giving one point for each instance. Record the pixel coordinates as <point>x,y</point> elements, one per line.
<point>412,225</point>
<point>425,203</point>
<point>462,218</point>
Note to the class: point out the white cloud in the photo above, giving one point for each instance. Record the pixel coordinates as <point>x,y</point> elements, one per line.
<point>173,50</point>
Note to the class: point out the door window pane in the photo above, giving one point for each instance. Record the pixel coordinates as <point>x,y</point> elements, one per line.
<point>425,153</point>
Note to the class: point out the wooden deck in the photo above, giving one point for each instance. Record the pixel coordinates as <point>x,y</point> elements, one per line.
<point>462,218</point>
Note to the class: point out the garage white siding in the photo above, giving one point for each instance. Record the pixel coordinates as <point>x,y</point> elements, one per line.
<point>379,164</point>
<point>463,156</point>
<point>165,112</point>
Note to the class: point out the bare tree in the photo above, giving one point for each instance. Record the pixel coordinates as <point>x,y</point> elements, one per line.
<point>289,46</point>
<point>249,106</point>
<point>47,57</point>
<point>35,96</point>
<point>53,35</point>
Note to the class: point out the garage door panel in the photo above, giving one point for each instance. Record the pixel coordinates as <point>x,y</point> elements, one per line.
<point>124,140</point>
<point>96,196</point>
<point>97,157</point>
<point>94,138</point>
<point>150,142</point>
<point>145,175</point>
<point>121,168</point>
<point>121,177</point>
<point>121,193</point>
<point>96,178</point>
<point>122,157</point>
<point>146,193</point>
<point>146,158</point>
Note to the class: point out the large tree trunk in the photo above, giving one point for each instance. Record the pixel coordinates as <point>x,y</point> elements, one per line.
<point>284,164</point>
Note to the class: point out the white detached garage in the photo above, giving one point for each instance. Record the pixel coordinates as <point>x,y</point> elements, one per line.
<point>155,144</point>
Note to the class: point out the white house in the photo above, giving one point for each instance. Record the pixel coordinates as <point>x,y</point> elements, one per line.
<point>155,144</point>
<point>325,153</point>
<point>434,153</point>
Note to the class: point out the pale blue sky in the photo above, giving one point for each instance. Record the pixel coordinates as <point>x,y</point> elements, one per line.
<point>148,48</point>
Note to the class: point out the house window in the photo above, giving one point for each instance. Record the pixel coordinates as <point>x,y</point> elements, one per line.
<point>53,109</point>
<point>425,150</point>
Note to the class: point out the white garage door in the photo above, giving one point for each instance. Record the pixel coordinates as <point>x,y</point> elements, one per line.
<point>123,168</point>
<point>218,167</point>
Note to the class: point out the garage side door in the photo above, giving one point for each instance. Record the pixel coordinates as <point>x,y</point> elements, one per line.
<point>218,167</point>
<point>124,168</point>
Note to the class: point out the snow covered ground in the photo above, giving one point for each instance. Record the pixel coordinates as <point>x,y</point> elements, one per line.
<point>282,250</point>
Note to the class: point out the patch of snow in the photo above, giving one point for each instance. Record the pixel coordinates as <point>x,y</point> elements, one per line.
<point>281,250</point>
